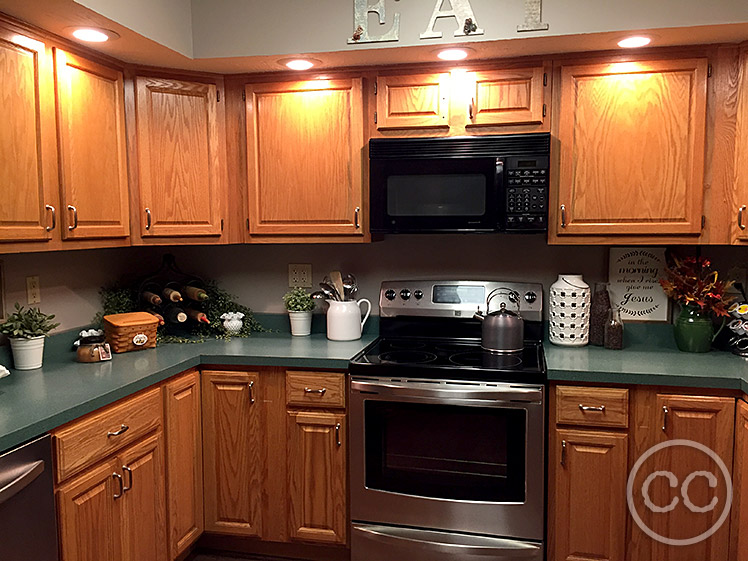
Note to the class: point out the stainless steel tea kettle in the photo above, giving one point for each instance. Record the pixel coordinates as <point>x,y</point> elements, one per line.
<point>503,330</point>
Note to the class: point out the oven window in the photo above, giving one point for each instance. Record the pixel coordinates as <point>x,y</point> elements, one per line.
<point>446,451</point>
<point>436,195</point>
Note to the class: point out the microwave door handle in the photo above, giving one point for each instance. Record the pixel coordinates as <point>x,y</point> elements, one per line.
<point>444,545</point>
<point>408,390</point>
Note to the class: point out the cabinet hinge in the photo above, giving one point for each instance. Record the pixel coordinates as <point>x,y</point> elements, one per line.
<point>221,224</point>
<point>544,110</point>
<point>545,78</point>
<point>244,95</point>
<point>218,96</point>
<point>708,70</point>
<point>375,88</point>
<point>703,221</point>
<point>375,117</point>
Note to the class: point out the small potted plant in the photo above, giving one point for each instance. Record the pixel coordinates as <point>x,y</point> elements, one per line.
<point>299,304</point>
<point>26,329</point>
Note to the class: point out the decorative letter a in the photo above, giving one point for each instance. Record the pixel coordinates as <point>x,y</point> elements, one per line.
<point>461,11</point>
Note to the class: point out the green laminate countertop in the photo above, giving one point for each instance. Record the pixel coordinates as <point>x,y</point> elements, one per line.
<point>649,357</point>
<point>35,401</point>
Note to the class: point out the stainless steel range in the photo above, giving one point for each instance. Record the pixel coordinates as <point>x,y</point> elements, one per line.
<point>447,440</point>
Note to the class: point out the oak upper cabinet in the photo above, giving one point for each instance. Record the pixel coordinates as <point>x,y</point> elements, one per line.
<point>481,102</point>
<point>180,158</point>
<point>741,153</point>
<point>304,157</point>
<point>184,461</point>
<point>233,444</point>
<point>28,159</point>
<point>93,159</point>
<point>631,137</point>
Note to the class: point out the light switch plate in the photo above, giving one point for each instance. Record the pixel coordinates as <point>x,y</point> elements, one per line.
<point>300,275</point>
<point>33,291</point>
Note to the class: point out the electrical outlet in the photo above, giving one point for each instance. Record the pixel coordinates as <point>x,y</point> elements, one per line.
<point>300,275</point>
<point>33,291</point>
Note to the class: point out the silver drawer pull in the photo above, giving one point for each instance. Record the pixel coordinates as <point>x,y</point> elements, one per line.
<point>128,471</point>
<point>251,391</point>
<point>122,429</point>
<point>74,225</point>
<point>601,409</point>
<point>563,453</point>
<point>54,217</point>
<point>665,412</point>
<point>337,435</point>
<point>320,392</point>
<point>118,477</point>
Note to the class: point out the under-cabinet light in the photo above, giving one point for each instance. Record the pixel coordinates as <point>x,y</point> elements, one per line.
<point>634,42</point>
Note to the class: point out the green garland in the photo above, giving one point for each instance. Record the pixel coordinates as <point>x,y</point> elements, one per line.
<point>119,299</point>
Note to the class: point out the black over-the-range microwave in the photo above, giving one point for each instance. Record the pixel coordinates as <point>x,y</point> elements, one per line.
<point>459,184</point>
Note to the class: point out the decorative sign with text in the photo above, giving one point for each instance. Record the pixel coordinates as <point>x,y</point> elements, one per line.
<point>634,276</point>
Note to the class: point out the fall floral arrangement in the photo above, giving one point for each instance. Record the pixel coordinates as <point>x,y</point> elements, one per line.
<point>692,282</point>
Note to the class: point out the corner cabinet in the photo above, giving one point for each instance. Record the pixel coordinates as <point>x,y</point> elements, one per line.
<point>632,148</point>
<point>740,232</point>
<point>181,167</point>
<point>305,142</point>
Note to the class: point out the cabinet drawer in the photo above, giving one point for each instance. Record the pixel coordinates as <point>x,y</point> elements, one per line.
<point>315,389</point>
<point>593,407</point>
<point>85,442</point>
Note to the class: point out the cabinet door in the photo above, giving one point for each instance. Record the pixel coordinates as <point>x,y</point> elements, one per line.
<point>180,168</point>
<point>184,461</point>
<point>93,158</point>
<point>143,505</point>
<point>632,148</point>
<point>233,444</point>
<point>589,512</point>
<point>741,152</point>
<point>739,517</point>
<point>507,97</point>
<point>707,421</point>
<point>27,146</point>
<point>90,517</point>
<point>413,102</point>
<point>317,476</point>
<point>304,145</point>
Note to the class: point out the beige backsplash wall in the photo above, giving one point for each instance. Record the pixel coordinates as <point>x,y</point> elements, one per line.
<point>258,274</point>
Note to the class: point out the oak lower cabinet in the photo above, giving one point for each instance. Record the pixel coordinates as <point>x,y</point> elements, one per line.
<point>184,461</point>
<point>304,158</point>
<point>739,518</point>
<point>632,148</point>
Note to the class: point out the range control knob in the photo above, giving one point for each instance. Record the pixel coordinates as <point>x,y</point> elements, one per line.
<point>418,294</point>
<point>530,297</point>
<point>390,294</point>
<point>405,294</point>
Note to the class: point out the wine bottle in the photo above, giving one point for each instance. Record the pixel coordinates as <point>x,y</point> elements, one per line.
<point>172,294</point>
<point>159,317</point>
<point>195,293</point>
<point>197,315</point>
<point>175,314</point>
<point>151,298</point>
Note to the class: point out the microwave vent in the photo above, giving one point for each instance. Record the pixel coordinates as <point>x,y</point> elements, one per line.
<point>459,147</point>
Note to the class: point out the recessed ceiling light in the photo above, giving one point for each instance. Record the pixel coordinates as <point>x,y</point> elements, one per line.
<point>94,34</point>
<point>634,42</point>
<point>299,63</point>
<point>453,54</point>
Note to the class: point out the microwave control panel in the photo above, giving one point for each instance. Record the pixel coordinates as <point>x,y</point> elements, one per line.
<point>526,189</point>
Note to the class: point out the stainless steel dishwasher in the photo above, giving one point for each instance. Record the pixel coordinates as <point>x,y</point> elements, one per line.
<point>28,526</point>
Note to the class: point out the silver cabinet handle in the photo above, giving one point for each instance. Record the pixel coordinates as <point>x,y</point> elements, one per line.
<point>122,429</point>
<point>563,216</point>
<point>54,217</point>
<point>118,477</point>
<point>601,408</point>
<point>356,221</point>
<point>563,453</point>
<point>337,435</point>
<point>75,217</point>
<point>665,411</point>
<point>310,390</point>
<point>127,487</point>
<point>741,210</point>
<point>252,391</point>
<point>147,218</point>
<point>21,481</point>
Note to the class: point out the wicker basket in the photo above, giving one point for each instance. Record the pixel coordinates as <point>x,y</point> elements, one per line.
<point>130,332</point>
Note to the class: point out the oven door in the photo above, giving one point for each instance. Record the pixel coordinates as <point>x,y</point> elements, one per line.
<point>436,195</point>
<point>442,455</point>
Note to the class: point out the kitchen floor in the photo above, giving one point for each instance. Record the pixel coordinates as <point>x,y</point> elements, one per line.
<point>206,557</point>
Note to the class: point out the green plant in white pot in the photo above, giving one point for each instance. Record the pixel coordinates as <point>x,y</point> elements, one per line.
<point>26,328</point>
<point>299,304</point>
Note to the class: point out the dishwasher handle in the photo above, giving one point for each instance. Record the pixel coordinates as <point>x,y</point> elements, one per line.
<point>23,480</point>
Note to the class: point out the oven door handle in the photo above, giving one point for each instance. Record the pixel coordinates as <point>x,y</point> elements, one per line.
<point>454,545</point>
<point>408,390</point>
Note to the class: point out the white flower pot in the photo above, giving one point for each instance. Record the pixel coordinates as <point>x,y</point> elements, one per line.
<point>301,323</point>
<point>27,353</point>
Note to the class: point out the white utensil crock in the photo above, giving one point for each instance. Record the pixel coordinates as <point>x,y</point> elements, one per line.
<point>27,353</point>
<point>344,321</point>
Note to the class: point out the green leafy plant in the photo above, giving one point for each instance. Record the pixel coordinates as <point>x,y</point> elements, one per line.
<point>298,300</point>
<point>28,323</point>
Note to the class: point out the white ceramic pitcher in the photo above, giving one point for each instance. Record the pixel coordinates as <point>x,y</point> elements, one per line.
<point>344,321</point>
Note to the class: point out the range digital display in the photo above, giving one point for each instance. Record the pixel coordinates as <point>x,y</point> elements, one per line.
<point>457,294</point>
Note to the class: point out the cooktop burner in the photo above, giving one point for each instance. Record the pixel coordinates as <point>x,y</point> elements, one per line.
<point>407,357</point>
